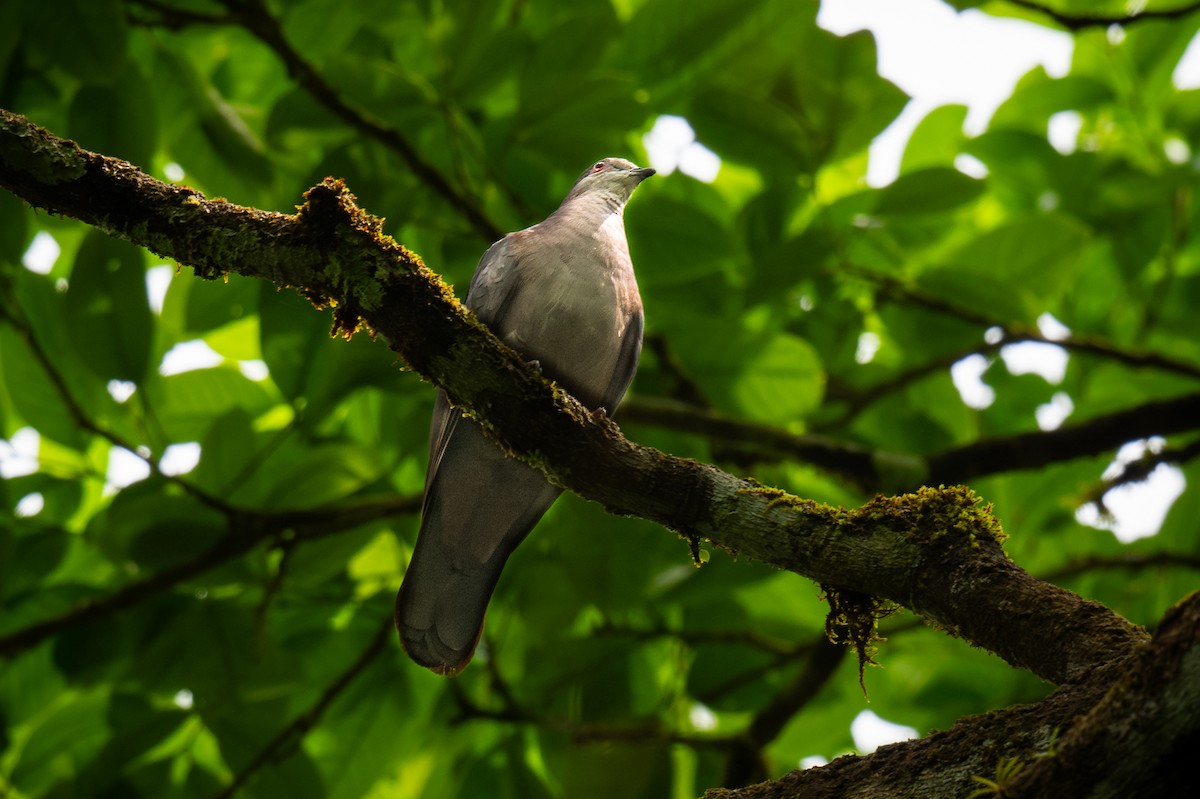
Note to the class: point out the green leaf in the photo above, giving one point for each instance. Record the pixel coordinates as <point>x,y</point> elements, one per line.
<point>87,38</point>
<point>1037,97</point>
<point>187,403</point>
<point>28,555</point>
<point>680,240</point>
<point>38,402</point>
<point>119,120</point>
<point>933,190</point>
<point>14,228</point>
<point>210,138</point>
<point>62,742</point>
<point>291,330</point>
<point>1016,270</point>
<point>228,455</point>
<point>768,377</point>
<point>937,139</point>
<point>376,712</point>
<point>323,475</point>
<point>752,130</point>
<point>151,529</point>
<point>108,314</point>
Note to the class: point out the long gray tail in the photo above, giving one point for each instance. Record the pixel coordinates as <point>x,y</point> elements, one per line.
<point>479,505</point>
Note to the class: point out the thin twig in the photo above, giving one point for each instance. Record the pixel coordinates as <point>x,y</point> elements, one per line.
<point>854,463</point>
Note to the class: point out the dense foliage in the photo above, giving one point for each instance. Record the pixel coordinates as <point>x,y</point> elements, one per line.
<point>193,646</point>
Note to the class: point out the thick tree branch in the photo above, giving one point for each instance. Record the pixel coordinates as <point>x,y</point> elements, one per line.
<point>936,551</point>
<point>1077,742</point>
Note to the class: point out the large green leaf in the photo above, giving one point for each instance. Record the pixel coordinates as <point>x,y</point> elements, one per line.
<point>1017,269</point>
<point>87,38</point>
<point>118,119</point>
<point>186,404</point>
<point>107,312</point>
<point>932,190</point>
<point>769,377</point>
<point>65,739</point>
<point>937,140</point>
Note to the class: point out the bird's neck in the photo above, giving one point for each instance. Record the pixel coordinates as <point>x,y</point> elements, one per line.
<point>588,211</point>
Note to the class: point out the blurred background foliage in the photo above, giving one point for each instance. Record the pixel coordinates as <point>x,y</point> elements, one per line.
<point>786,292</point>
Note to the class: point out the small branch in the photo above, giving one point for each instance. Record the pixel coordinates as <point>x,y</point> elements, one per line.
<point>1077,22</point>
<point>246,531</point>
<point>1129,560</point>
<point>861,399</point>
<point>1041,448</point>
<point>745,761</point>
<point>1141,469</point>
<point>737,637</point>
<point>85,422</point>
<point>853,463</point>
<point>256,18</point>
<point>175,18</point>
<point>291,735</point>
<point>897,290</point>
<point>245,534</point>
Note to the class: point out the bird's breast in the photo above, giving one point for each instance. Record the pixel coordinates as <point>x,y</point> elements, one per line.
<point>575,313</point>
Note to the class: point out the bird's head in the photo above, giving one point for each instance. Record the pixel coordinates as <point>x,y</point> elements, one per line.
<point>614,178</point>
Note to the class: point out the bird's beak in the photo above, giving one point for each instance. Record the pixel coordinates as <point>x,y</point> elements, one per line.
<point>641,173</point>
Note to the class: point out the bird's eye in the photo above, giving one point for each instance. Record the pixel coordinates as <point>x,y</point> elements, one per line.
<point>599,166</point>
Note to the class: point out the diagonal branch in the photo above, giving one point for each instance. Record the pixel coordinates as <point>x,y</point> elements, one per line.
<point>936,552</point>
<point>255,17</point>
<point>85,422</point>
<point>1135,359</point>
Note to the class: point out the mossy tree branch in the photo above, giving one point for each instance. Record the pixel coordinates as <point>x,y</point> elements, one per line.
<point>936,551</point>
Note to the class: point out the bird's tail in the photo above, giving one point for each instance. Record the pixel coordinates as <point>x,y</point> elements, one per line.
<point>479,505</point>
<point>440,610</point>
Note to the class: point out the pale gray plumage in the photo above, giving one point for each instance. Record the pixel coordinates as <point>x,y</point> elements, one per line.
<point>562,293</point>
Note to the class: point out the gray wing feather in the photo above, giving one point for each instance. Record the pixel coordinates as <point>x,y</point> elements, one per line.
<point>627,362</point>
<point>493,284</point>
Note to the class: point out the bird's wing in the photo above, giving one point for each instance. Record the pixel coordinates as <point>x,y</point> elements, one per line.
<point>492,290</point>
<point>494,284</point>
<point>627,362</point>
